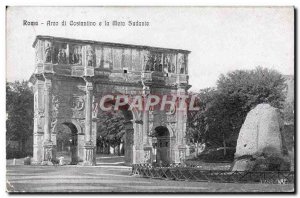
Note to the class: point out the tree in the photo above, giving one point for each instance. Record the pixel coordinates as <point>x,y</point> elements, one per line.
<point>197,120</point>
<point>224,109</point>
<point>110,129</point>
<point>63,137</point>
<point>19,109</point>
<point>252,87</point>
<point>210,123</point>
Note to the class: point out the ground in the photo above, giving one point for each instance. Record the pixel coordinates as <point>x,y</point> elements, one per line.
<point>110,175</point>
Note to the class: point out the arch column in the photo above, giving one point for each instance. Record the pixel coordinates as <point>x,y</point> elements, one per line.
<point>147,141</point>
<point>146,92</point>
<point>130,148</point>
<point>89,146</point>
<point>134,149</point>
<point>181,117</point>
<point>48,146</point>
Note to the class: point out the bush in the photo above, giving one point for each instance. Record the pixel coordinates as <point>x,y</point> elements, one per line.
<point>271,163</point>
<point>212,156</point>
<point>16,154</point>
<point>55,161</point>
<point>27,161</point>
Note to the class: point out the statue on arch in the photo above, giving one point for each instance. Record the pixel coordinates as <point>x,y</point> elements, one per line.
<point>182,64</point>
<point>48,53</point>
<point>61,57</point>
<point>90,56</point>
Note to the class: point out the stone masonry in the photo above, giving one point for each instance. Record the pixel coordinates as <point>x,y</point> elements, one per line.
<point>71,76</point>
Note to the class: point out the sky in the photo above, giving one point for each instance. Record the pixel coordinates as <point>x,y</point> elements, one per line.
<point>221,39</point>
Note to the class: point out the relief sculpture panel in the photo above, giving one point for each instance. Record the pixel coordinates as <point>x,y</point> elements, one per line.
<point>60,52</point>
<point>127,58</point>
<point>136,60</point>
<point>169,63</point>
<point>117,58</point>
<point>108,59</point>
<point>153,61</point>
<point>77,104</point>
<point>66,105</point>
<point>75,56</point>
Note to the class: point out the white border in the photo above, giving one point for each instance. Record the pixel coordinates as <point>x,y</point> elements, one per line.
<point>3,3</point>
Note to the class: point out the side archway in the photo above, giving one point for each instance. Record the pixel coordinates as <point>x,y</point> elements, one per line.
<point>162,138</point>
<point>68,137</point>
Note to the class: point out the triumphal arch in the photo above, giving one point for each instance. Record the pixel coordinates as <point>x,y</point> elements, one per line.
<point>70,78</point>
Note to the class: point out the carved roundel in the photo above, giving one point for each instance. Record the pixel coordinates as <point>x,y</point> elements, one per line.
<point>77,103</point>
<point>171,110</point>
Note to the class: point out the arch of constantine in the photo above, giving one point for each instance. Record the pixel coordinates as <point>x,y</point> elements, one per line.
<point>71,76</point>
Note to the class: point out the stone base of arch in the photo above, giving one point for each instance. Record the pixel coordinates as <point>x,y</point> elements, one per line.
<point>130,154</point>
<point>178,154</point>
<point>137,156</point>
<point>148,154</point>
<point>81,148</point>
<point>38,148</point>
<point>89,154</point>
<point>49,151</point>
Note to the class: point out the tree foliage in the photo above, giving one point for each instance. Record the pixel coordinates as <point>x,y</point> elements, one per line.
<point>110,127</point>
<point>63,136</point>
<point>19,110</point>
<point>223,109</point>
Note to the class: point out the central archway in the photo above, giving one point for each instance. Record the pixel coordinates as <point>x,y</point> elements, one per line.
<point>121,128</point>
